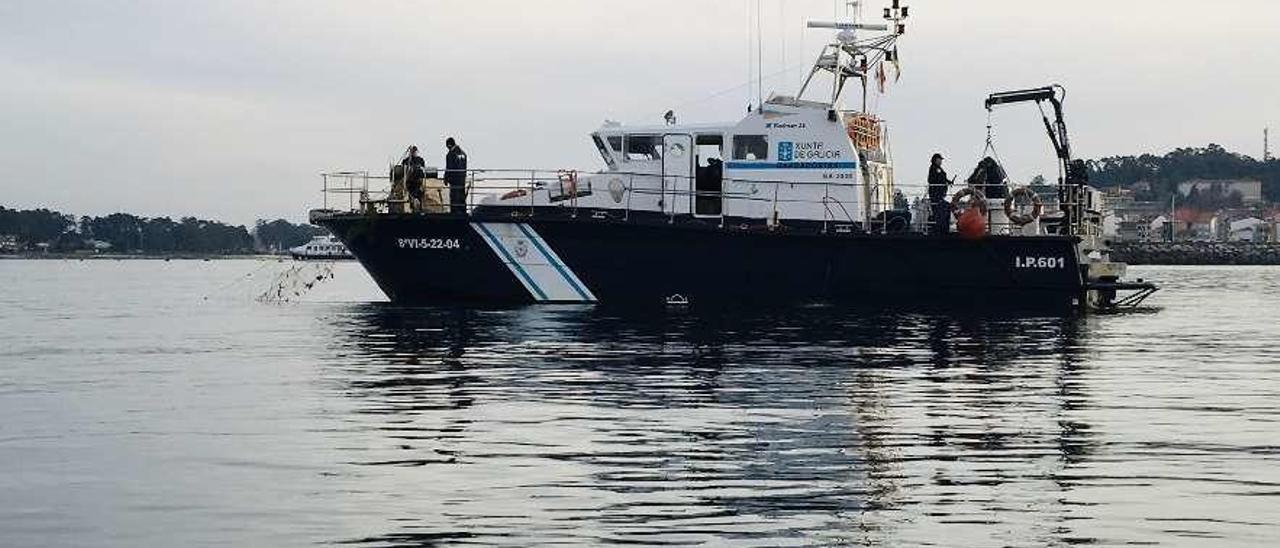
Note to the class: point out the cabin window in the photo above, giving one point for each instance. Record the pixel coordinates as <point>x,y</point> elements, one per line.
<point>643,147</point>
<point>709,147</point>
<point>604,152</point>
<point>750,147</point>
<point>615,143</point>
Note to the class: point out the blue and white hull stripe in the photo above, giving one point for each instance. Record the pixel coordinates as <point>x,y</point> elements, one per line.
<point>532,261</point>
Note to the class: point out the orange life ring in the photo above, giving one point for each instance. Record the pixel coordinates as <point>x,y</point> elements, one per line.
<point>976,199</point>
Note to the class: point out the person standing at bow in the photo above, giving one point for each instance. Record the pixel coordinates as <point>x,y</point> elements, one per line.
<point>455,175</point>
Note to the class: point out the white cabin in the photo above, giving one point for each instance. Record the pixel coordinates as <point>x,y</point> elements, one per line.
<point>788,160</point>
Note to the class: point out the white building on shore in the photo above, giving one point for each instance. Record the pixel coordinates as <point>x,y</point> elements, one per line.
<point>1250,190</point>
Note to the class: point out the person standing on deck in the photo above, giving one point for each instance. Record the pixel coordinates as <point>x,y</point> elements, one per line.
<point>415,170</point>
<point>455,175</point>
<point>939,208</point>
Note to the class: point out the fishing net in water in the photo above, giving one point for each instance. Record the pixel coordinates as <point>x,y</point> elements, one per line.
<point>295,281</point>
<point>275,281</point>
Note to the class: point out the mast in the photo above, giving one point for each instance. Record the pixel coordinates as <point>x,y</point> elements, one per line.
<point>852,55</point>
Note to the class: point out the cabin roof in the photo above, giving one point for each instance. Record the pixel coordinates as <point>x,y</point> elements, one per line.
<point>664,128</point>
<point>785,100</point>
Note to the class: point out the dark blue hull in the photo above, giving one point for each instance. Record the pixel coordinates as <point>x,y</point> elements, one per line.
<point>501,259</point>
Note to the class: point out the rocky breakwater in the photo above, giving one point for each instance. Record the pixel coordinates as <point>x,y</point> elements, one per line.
<point>1196,253</point>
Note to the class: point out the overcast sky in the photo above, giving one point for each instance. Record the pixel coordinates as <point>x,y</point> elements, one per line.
<point>231,109</point>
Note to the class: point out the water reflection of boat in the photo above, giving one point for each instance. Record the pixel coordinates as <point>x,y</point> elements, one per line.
<point>777,422</point>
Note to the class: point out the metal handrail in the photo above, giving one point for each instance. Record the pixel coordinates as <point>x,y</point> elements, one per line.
<point>491,180</point>
<point>514,174</point>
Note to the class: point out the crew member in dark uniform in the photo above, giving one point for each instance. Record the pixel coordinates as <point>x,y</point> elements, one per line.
<point>455,175</point>
<point>939,208</point>
<point>415,169</point>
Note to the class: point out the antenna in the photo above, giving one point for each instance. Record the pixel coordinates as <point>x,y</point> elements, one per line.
<point>1266,144</point>
<point>782,35</point>
<point>759,57</point>
<point>751,65</point>
<point>852,55</point>
<point>845,26</point>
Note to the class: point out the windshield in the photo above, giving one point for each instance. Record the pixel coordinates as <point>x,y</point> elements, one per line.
<point>604,152</point>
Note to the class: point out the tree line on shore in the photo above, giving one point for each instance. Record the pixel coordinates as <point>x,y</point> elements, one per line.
<point>1163,173</point>
<point>44,229</point>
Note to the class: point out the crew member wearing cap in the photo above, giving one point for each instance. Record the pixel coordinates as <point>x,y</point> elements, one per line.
<point>938,183</point>
<point>455,175</point>
<point>415,170</point>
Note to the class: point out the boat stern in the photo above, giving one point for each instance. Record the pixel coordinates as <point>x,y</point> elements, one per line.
<point>1106,289</point>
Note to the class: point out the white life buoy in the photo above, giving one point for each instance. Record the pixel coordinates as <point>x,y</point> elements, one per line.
<point>1023,219</point>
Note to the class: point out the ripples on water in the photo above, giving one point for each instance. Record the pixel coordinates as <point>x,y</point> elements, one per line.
<point>139,414</point>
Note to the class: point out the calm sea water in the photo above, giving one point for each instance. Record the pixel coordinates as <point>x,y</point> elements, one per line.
<point>147,403</point>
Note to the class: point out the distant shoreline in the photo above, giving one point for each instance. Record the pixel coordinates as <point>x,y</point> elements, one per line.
<point>138,257</point>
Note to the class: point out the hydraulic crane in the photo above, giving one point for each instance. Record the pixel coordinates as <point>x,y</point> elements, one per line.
<point>1074,175</point>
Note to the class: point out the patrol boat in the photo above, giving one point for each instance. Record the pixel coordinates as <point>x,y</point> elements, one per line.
<point>323,247</point>
<point>794,203</point>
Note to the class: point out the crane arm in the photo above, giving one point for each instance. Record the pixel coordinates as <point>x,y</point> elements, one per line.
<point>1057,129</point>
<point>1021,96</point>
<point>1074,173</point>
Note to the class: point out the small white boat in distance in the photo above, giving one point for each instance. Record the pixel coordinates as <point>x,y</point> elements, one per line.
<point>324,247</point>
